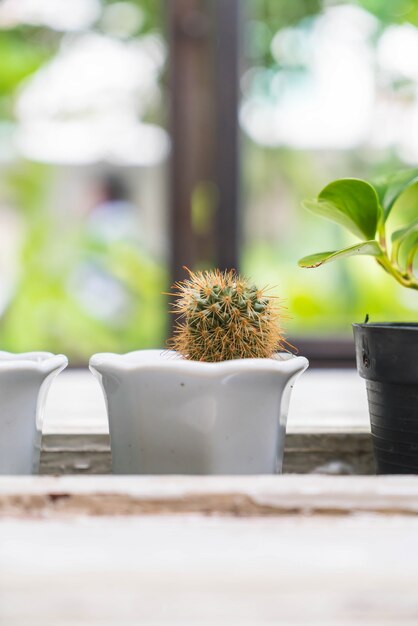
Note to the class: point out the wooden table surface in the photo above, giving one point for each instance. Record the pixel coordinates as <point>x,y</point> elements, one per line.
<point>288,550</point>
<point>293,550</point>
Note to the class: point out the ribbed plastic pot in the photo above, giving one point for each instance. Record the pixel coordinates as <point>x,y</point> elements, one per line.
<point>387,357</point>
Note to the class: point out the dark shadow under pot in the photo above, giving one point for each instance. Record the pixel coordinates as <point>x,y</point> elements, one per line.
<point>387,357</point>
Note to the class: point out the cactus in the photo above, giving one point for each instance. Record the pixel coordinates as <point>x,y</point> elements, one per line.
<point>223,316</point>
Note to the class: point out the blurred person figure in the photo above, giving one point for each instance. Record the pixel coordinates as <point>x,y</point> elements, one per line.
<point>113,217</point>
<point>111,237</point>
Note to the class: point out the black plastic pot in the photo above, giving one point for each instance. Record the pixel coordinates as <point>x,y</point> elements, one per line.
<point>387,357</point>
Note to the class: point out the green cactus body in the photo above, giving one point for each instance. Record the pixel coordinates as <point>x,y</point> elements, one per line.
<point>223,317</point>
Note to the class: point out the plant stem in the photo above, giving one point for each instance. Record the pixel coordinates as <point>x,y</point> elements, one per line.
<point>382,235</point>
<point>410,259</point>
<point>407,279</point>
<point>395,254</point>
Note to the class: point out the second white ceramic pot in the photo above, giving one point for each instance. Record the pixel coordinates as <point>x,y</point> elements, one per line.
<point>168,415</point>
<point>24,382</point>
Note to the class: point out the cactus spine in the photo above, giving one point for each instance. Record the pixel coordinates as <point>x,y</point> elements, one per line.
<point>223,316</point>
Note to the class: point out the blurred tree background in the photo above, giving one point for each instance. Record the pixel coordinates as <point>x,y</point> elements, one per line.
<point>65,284</point>
<point>328,89</point>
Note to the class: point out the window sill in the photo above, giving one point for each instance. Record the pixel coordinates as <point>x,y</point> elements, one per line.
<point>328,427</point>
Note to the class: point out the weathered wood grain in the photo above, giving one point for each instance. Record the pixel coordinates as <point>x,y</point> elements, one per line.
<point>215,551</point>
<point>334,453</point>
<point>329,453</point>
<point>75,454</point>
<point>194,571</point>
<point>209,495</point>
<point>212,551</point>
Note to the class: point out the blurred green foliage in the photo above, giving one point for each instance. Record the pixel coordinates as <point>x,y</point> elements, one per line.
<point>266,17</point>
<point>331,298</point>
<point>328,300</point>
<point>20,56</point>
<point>393,11</point>
<point>44,311</point>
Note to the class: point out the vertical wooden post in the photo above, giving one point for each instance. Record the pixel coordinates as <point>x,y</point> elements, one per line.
<point>203,61</point>
<point>227,230</point>
<point>192,130</point>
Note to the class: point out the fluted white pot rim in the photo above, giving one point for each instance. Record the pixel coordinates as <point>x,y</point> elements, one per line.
<point>43,362</point>
<point>168,359</point>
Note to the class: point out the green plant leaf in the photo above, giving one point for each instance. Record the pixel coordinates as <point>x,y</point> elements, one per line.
<point>390,187</point>
<point>370,248</point>
<point>403,233</point>
<point>351,202</point>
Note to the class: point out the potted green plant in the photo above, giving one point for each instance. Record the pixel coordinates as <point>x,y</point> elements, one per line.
<point>386,354</point>
<point>218,402</point>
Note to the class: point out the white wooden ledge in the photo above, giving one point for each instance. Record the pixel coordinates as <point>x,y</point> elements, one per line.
<point>317,551</point>
<point>208,495</point>
<point>209,551</point>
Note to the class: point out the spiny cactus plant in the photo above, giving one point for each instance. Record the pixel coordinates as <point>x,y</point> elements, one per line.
<point>223,316</point>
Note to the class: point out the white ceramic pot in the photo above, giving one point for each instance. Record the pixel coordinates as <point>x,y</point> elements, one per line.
<point>24,381</point>
<point>168,415</point>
